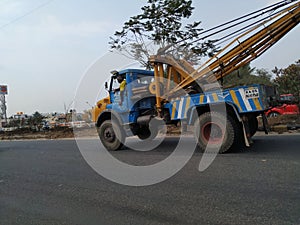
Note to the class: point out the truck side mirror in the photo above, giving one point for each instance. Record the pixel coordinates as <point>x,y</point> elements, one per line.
<point>106,85</point>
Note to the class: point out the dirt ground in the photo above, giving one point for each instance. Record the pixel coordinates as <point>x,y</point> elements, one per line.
<point>23,134</point>
<point>281,124</point>
<point>285,119</point>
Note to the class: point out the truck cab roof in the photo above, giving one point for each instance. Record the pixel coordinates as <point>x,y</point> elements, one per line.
<point>138,71</point>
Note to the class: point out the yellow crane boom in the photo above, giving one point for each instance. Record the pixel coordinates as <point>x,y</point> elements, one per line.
<point>243,49</point>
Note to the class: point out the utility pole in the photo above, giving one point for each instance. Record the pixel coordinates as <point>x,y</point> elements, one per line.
<point>3,115</point>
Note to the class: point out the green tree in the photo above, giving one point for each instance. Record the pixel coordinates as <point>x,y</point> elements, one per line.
<point>288,79</point>
<point>238,77</point>
<point>161,22</point>
<point>262,76</point>
<point>246,76</point>
<point>36,119</point>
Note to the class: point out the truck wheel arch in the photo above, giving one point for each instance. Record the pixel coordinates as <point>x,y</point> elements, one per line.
<point>108,115</point>
<point>196,111</point>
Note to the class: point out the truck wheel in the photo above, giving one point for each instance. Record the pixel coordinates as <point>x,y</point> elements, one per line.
<point>145,133</point>
<point>273,115</point>
<point>217,131</point>
<point>111,135</point>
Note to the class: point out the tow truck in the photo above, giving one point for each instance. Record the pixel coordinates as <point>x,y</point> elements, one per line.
<point>174,92</point>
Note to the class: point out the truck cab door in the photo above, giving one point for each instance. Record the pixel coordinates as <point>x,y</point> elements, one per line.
<point>116,97</point>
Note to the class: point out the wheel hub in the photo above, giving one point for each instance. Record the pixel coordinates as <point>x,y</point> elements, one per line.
<point>213,133</point>
<point>109,134</point>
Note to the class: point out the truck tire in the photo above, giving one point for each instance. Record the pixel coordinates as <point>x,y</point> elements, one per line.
<point>273,114</point>
<point>217,131</point>
<point>111,135</point>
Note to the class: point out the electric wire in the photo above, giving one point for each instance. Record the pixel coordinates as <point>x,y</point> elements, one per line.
<point>25,14</point>
<point>246,18</point>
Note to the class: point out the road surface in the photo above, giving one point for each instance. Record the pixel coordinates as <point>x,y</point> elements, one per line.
<point>48,182</point>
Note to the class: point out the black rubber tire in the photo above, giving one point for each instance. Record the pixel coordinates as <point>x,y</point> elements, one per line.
<point>111,135</point>
<point>253,124</point>
<point>144,133</point>
<point>226,128</point>
<point>273,114</point>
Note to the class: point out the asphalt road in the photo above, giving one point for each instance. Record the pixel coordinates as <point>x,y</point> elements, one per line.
<point>48,182</point>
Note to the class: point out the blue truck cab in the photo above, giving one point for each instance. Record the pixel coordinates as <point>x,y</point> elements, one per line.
<point>137,98</point>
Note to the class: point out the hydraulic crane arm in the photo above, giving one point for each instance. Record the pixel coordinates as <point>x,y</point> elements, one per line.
<point>243,49</point>
<point>256,45</point>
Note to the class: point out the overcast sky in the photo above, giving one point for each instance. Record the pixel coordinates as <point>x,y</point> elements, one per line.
<point>47,46</point>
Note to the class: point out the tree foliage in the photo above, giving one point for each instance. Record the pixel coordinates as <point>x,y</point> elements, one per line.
<point>288,79</point>
<point>36,119</point>
<point>161,22</point>
<point>246,76</point>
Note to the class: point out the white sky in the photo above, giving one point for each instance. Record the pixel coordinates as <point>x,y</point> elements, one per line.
<point>46,46</point>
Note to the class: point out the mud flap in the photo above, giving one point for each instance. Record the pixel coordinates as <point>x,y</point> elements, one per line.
<point>246,131</point>
<point>265,124</point>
